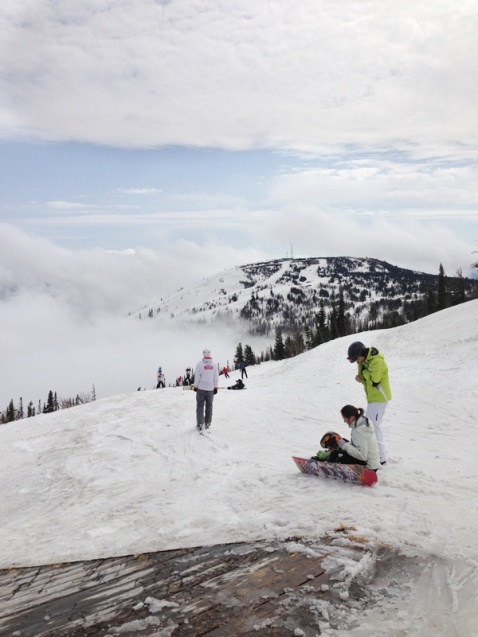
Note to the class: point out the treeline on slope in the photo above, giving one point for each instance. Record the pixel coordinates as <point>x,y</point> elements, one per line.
<point>53,403</point>
<point>292,339</point>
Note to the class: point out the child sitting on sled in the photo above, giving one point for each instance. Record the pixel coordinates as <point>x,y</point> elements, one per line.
<point>361,449</point>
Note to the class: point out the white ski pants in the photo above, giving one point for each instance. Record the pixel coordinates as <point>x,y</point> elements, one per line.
<point>375,413</point>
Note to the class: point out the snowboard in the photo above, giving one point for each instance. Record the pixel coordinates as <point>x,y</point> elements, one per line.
<point>355,473</point>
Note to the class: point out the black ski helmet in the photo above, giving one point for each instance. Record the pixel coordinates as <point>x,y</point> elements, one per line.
<point>328,441</point>
<point>355,350</point>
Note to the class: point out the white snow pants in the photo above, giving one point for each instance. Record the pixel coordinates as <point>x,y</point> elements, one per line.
<point>375,413</point>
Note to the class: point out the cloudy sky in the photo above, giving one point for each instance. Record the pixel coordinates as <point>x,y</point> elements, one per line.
<point>228,131</point>
<point>148,142</point>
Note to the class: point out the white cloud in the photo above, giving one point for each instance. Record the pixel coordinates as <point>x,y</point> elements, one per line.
<point>140,191</point>
<point>97,281</point>
<point>68,205</point>
<point>49,346</point>
<point>406,213</point>
<point>386,83</point>
<point>152,224</point>
<point>404,242</point>
<point>383,185</point>
<point>64,323</point>
<point>243,74</point>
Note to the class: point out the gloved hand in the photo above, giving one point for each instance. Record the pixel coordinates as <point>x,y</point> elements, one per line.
<point>195,388</point>
<point>215,390</point>
<point>321,455</point>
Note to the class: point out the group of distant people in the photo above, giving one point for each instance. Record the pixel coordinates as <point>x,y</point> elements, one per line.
<point>181,381</point>
<point>188,378</point>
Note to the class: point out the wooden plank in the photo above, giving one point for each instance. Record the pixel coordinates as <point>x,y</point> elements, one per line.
<point>209,591</point>
<point>244,598</point>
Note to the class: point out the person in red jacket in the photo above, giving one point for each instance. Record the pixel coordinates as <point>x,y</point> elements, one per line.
<point>206,380</point>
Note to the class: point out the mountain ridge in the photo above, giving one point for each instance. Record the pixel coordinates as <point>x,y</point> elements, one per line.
<point>290,292</point>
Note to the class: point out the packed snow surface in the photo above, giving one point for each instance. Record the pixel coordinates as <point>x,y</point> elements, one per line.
<point>130,474</point>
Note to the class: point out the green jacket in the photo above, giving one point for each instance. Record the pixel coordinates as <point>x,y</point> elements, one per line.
<point>373,373</point>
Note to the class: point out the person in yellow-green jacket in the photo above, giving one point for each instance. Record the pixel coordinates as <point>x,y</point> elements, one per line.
<point>373,374</point>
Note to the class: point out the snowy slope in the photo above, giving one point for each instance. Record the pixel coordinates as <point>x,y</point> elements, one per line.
<point>130,474</point>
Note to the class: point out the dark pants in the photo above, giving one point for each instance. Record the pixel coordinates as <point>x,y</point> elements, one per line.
<point>243,373</point>
<point>204,400</point>
<point>340,457</point>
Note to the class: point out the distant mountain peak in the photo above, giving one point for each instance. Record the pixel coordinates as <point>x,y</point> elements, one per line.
<point>289,292</point>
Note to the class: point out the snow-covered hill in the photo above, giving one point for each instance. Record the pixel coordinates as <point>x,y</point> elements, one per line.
<point>57,348</point>
<point>290,291</point>
<point>130,474</point>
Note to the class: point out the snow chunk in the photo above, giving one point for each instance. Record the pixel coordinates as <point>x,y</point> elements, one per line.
<point>157,605</point>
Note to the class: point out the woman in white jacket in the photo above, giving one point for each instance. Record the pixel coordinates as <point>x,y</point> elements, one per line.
<point>362,448</point>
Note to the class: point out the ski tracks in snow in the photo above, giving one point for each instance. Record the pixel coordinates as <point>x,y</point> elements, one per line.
<point>443,581</point>
<point>443,598</point>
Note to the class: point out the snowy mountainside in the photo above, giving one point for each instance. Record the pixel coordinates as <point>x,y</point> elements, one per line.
<point>129,474</point>
<point>289,291</point>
